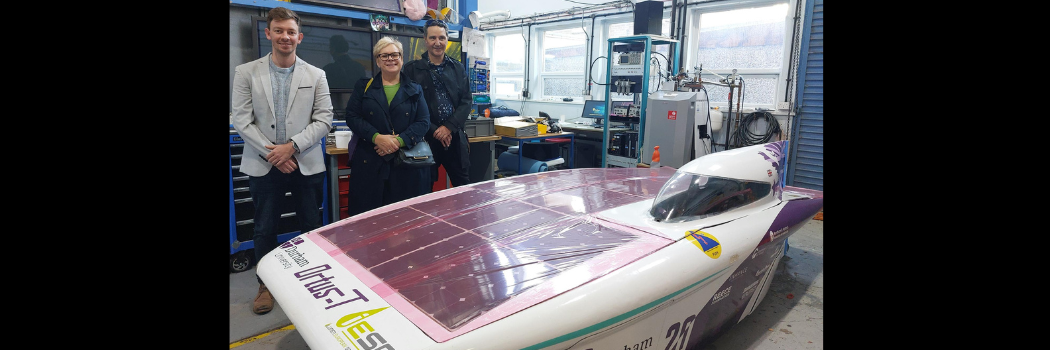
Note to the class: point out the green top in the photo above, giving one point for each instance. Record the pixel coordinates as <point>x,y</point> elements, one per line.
<point>390,91</point>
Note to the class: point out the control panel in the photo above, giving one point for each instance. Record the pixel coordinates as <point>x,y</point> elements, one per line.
<point>627,71</point>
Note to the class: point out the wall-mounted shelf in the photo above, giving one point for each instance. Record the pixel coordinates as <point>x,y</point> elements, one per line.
<point>338,12</point>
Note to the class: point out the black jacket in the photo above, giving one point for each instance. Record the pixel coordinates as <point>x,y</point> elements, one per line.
<point>367,113</point>
<point>455,79</point>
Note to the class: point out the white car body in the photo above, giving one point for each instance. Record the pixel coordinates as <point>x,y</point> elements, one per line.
<point>568,259</point>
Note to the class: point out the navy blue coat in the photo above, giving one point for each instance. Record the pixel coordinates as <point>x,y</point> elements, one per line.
<point>373,182</point>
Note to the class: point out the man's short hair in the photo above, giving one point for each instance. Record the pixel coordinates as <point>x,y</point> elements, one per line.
<point>280,14</point>
<point>435,23</point>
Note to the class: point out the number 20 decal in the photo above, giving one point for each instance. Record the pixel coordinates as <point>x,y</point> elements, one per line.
<point>676,338</point>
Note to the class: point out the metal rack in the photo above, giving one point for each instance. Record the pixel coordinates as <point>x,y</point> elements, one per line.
<point>478,75</point>
<point>629,74</point>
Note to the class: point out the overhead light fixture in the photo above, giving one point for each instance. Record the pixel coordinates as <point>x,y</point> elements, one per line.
<point>476,17</point>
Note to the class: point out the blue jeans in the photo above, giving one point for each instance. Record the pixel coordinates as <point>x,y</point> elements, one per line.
<point>268,197</point>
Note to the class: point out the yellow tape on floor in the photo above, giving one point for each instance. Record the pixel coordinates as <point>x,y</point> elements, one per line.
<point>260,336</point>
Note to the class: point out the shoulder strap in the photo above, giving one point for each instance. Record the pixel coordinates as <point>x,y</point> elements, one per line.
<point>369,83</point>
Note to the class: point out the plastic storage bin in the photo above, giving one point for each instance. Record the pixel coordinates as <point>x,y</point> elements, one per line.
<point>480,127</point>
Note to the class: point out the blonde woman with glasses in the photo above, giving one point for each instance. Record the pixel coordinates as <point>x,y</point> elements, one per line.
<point>385,112</point>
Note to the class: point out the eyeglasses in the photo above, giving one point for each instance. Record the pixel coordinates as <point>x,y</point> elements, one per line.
<point>390,56</point>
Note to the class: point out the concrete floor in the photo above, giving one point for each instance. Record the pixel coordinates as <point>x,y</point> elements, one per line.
<point>791,316</point>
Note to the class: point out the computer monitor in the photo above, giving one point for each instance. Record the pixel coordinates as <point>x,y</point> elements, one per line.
<point>594,109</point>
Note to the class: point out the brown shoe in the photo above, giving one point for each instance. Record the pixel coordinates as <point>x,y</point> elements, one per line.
<point>263,302</point>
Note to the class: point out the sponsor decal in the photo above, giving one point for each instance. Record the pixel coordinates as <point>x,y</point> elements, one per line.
<point>689,332</point>
<point>644,344</point>
<point>737,274</point>
<point>289,248</point>
<point>761,271</point>
<point>291,242</point>
<point>706,242</point>
<point>774,234</point>
<point>355,328</point>
<point>759,251</point>
<point>322,287</point>
<point>750,289</point>
<point>774,153</point>
<point>284,262</point>
<point>336,336</point>
<point>721,295</point>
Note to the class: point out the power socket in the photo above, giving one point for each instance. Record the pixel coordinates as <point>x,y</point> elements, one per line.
<point>784,105</point>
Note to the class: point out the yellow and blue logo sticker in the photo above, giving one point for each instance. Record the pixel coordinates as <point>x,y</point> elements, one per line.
<point>706,242</point>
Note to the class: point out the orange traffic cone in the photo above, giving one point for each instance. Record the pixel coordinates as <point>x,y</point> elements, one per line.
<point>656,158</point>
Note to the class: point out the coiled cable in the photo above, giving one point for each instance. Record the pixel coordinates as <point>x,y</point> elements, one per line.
<point>744,136</point>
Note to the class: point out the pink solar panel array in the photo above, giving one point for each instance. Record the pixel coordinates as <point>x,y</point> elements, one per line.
<point>467,256</point>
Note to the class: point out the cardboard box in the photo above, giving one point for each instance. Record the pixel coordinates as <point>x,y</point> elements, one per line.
<point>516,129</point>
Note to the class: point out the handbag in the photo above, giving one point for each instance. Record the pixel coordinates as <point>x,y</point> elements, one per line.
<point>419,156</point>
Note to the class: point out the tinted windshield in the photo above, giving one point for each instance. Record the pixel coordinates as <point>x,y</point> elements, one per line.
<point>690,196</point>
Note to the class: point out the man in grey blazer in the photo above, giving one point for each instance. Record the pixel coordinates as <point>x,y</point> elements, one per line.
<point>282,109</point>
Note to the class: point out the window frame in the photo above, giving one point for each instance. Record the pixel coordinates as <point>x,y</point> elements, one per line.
<point>778,74</point>
<point>541,72</point>
<point>599,48</point>
<point>494,74</point>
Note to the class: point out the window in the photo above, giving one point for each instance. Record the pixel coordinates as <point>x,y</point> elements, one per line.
<point>750,40</point>
<point>749,36</point>
<point>508,64</point>
<point>564,57</point>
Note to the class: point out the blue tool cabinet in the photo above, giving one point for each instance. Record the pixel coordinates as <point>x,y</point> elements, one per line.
<point>242,255</point>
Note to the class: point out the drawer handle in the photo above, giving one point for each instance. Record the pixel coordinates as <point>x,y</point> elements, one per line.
<point>249,221</point>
